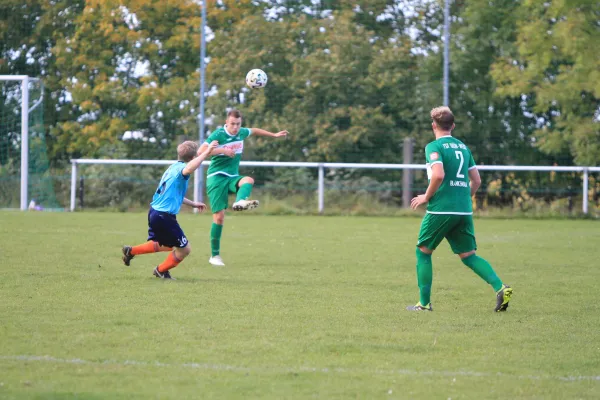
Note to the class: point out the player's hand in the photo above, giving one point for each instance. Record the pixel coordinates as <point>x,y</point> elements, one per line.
<point>199,206</point>
<point>280,134</point>
<point>212,145</point>
<point>228,152</point>
<point>417,201</point>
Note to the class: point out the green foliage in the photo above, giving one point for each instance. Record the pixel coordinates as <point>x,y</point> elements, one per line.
<point>556,65</point>
<point>108,187</point>
<point>129,68</point>
<point>337,91</point>
<point>30,30</point>
<point>349,79</point>
<point>496,128</point>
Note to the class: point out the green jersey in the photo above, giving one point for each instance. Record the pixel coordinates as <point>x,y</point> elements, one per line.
<point>224,165</point>
<point>454,195</point>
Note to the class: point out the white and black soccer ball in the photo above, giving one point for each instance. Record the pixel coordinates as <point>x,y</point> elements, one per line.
<point>256,78</point>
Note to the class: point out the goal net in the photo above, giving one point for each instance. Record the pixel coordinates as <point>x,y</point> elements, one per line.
<point>25,179</point>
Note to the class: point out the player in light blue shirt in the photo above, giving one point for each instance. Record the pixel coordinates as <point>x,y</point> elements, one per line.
<point>171,190</point>
<point>164,232</point>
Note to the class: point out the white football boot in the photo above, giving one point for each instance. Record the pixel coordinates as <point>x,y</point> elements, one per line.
<point>243,205</point>
<point>217,261</point>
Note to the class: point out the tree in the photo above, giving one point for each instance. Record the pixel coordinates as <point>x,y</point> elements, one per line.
<point>556,67</point>
<point>497,128</point>
<point>344,94</point>
<point>129,66</point>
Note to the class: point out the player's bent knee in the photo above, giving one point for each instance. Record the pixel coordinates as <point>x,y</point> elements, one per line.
<point>247,179</point>
<point>219,217</point>
<point>467,254</point>
<point>183,252</point>
<point>425,250</point>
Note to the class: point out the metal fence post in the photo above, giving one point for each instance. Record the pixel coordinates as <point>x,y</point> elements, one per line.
<point>73,183</point>
<point>321,188</point>
<point>81,192</point>
<point>407,174</point>
<point>586,179</point>
<point>24,143</point>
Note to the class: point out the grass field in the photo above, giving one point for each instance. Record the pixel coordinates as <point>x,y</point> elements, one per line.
<point>307,307</point>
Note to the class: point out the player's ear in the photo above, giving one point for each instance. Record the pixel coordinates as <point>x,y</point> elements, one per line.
<point>453,125</point>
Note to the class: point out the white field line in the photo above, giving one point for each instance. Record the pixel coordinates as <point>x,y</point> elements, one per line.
<point>279,369</point>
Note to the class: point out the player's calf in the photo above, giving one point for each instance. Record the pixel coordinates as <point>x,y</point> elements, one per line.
<point>173,259</point>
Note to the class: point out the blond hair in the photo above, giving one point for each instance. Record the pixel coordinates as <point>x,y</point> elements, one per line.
<point>187,150</point>
<point>443,117</point>
<point>235,113</point>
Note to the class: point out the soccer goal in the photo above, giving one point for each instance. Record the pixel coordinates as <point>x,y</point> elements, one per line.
<point>24,168</point>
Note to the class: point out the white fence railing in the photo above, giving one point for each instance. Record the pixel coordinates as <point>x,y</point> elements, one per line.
<point>322,166</point>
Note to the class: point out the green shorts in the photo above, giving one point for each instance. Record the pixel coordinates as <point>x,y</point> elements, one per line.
<point>218,188</point>
<point>457,229</point>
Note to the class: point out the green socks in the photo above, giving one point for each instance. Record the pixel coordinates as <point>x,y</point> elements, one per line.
<point>215,239</point>
<point>424,276</point>
<point>244,192</point>
<point>485,271</point>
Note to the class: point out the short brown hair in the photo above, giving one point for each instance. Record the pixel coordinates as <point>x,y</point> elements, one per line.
<point>187,150</point>
<point>443,117</point>
<point>235,113</point>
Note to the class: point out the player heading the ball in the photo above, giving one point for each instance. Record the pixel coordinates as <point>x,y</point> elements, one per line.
<point>223,175</point>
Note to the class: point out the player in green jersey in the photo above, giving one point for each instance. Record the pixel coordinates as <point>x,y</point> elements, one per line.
<point>453,180</point>
<point>223,175</point>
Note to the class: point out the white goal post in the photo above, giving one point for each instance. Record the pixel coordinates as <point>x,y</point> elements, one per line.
<point>322,166</point>
<point>25,110</point>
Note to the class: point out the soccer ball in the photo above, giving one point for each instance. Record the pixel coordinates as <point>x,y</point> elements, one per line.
<point>256,78</point>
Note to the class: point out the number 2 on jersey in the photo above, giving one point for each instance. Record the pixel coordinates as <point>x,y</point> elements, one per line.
<point>459,156</point>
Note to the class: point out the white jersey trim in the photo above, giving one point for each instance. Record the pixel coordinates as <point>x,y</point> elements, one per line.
<point>222,173</point>
<point>227,132</point>
<point>435,162</point>
<point>450,213</point>
<point>445,136</point>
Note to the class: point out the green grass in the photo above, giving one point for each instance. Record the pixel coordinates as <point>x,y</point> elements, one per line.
<point>307,307</point>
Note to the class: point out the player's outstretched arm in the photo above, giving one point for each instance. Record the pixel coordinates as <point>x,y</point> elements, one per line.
<point>195,163</point>
<point>262,132</point>
<point>194,204</point>
<point>202,148</point>
<point>224,150</point>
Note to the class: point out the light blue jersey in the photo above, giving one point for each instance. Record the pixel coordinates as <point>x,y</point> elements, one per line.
<point>171,189</point>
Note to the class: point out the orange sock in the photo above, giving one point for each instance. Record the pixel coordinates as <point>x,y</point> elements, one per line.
<point>148,247</point>
<point>170,262</point>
